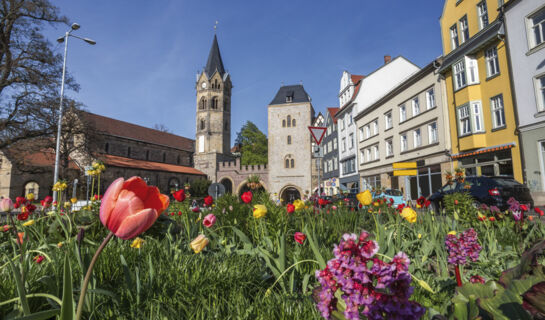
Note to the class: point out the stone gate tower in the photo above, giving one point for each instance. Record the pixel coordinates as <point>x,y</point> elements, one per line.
<point>213,121</point>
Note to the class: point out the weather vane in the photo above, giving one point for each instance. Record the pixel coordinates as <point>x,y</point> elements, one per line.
<point>216,26</point>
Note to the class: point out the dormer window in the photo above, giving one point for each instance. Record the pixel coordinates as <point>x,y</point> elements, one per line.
<point>289,97</point>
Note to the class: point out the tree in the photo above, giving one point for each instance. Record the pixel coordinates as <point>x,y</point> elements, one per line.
<point>30,72</point>
<point>253,145</point>
<point>161,127</point>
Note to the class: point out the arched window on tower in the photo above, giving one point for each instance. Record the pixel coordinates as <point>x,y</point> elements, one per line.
<point>219,86</point>
<point>289,121</point>
<point>215,84</point>
<point>203,125</point>
<point>293,123</point>
<point>292,163</point>
<point>289,162</point>
<point>287,165</point>
<point>202,104</point>
<point>215,103</point>
<point>289,139</point>
<point>284,123</point>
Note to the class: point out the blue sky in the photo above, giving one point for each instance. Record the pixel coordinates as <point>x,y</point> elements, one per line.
<point>143,68</point>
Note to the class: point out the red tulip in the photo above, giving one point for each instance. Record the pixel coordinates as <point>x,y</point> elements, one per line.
<point>299,237</point>
<point>538,211</point>
<point>208,200</point>
<point>322,202</point>
<point>492,219</point>
<point>523,207</point>
<point>209,220</point>
<point>482,218</point>
<point>131,207</point>
<point>179,195</point>
<point>456,202</point>
<point>247,197</point>
<point>179,213</point>
<point>6,227</point>
<point>38,259</point>
<point>290,208</point>
<point>22,216</point>
<point>48,199</point>
<point>196,209</point>
<point>172,213</point>
<point>427,203</point>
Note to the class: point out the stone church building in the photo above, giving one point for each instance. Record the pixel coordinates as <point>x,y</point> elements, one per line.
<point>288,174</point>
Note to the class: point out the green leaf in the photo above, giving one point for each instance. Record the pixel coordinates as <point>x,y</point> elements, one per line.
<point>68,311</point>
<point>306,278</point>
<point>42,315</point>
<point>20,288</point>
<point>315,249</point>
<point>127,272</point>
<point>242,236</point>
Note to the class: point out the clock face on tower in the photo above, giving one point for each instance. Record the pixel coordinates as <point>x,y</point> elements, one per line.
<point>203,85</point>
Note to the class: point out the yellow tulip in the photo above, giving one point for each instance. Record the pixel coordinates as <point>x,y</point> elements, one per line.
<point>409,214</point>
<point>419,236</point>
<point>259,211</point>
<point>298,204</point>
<point>29,223</point>
<point>30,196</point>
<point>365,197</point>
<point>199,243</point>
<point>376,204</point>
<point>59,245</point>
<point>452,233</point>
<point>67,204</point>
<point>137,243</point>
<point>74,200</point>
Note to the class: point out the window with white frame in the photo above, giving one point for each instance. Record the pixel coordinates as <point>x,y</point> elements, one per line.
<point>388,120</point>
<point>335,144</point>
<point>403,140</point>
<point>454,37</point>
<point>470,119</point>
<point>361,134</point>
<point>367,155</point>
<point>417,135</point>
<point>464,30</point>
<point>329,144</point>
<point>342,124</point>
<point>375,127</point>
<point>376,153</point>
<point>367,131</point>
<point>540,88</point>
<point>389,148</point>
<point>473,70</point>
<point>459,75</point>
<point>343,145</point>
<point>477,115</point>
<point>362,156</point>
<point>351,140</point>
<point>335,163</point>
<point>430,98</point>
<point>482,12</point>
<point>416,106</point>
<point>464,120</point>
<point>432,132</point>
<point>402,113</point>
<point>492,62</point>
<point>498,114</point>
<point>536,24</point>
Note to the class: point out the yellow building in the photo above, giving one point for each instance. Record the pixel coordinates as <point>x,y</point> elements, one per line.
<point>478,88</point>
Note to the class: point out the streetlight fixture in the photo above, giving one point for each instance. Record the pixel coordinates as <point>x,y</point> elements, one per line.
<point>64,39</point>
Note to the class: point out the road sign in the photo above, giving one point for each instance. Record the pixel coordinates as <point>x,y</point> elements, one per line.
<point>317,133</point>
<point>216,190</point>
<point>404,165</point>
<point>398,173</point>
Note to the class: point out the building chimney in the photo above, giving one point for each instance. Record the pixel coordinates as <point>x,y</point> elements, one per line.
<point>387,59</point>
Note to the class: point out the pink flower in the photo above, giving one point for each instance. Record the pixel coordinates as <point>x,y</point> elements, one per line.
<point>6,205</point>
<point>299,237</point>
<point>131,207</point>
<point>209,220</point>
<point>38,259</point>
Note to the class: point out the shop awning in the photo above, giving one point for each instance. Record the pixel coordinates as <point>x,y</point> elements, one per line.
<point>483,150</point>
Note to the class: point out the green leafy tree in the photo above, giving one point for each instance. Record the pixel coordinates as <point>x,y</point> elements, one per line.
<point>253,145</point>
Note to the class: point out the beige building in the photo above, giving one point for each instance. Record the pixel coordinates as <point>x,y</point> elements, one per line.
<point>290,157</point>
<point>408,124</point>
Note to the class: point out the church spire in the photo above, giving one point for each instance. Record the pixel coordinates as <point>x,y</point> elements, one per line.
<point>214,62</point>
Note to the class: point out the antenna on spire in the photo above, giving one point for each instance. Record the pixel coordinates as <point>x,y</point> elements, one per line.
<point>216,26</point>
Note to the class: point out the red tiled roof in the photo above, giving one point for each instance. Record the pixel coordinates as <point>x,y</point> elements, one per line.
<point>132,131</point>
<point>356,77</point>
<point>35,153</point>
<point>332,112</point>
<point>44,158</point>
<point>116,161</point>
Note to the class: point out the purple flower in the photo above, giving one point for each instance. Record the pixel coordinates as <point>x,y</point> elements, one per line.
<point>369,286</point>
<point>465,246</point>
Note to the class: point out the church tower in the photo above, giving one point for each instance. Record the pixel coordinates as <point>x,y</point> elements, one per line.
<point>213,121</point>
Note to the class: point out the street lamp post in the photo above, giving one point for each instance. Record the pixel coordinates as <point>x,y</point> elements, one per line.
<point>64,39</point>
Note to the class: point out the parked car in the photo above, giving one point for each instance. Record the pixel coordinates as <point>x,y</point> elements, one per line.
<point>351,201</point>
<point>394,194</point>
<point>492,191</point>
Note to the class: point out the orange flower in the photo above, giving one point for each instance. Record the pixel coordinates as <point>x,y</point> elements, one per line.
<point>131,207</point>
<point>20,237</point>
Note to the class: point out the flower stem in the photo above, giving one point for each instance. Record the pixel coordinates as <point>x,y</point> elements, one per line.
<point>458,276</point>
<point>89,273</point>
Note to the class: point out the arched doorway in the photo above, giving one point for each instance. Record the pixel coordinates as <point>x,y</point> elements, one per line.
<point>228,184</point>
<point>289,195</point>
<point>32,187</point>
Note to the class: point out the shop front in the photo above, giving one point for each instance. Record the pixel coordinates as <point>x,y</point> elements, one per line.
<point>491,161</point>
